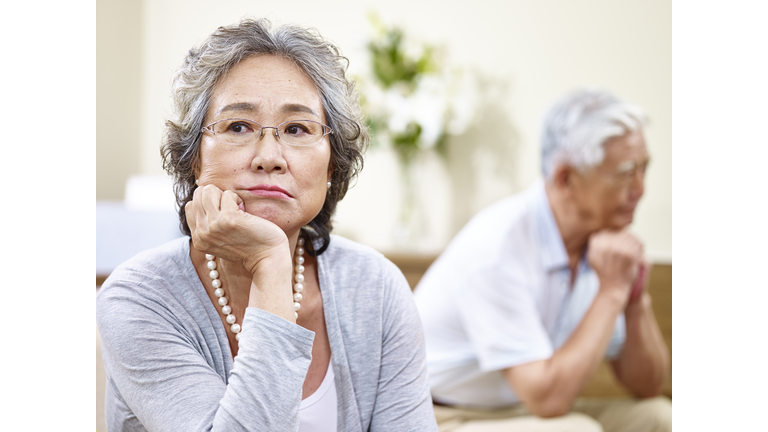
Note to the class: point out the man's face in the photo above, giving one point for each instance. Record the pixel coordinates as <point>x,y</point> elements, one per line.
<point>606,196</point>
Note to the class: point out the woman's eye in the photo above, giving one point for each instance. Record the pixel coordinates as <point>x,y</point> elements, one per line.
<point>239,128</point>
<point>295,129</point>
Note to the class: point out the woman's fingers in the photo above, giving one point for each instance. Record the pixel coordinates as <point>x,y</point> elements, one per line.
<point>189,213</point>
<point>211,200</point>
<point>201,214</point>
<point>230,202</point>
<point>220,226</point>
<point>192,211</point>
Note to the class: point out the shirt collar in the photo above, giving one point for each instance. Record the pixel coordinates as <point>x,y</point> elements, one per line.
<point>552,248</point>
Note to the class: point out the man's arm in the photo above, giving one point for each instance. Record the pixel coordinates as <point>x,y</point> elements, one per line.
<point>549,387</point>
<point>643,363</point>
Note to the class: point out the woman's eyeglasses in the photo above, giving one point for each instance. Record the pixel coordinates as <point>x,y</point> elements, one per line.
<point>240,132</point>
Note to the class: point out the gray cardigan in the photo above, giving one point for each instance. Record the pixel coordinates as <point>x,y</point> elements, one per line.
<point>169,366</point>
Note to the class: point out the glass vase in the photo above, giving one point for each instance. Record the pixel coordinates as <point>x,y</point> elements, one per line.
<point>409,227</point>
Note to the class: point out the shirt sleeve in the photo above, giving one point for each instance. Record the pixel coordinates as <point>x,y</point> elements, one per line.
<point>499,313</point>
<point>403,401</point>
<point>617,339</point>
<point>168,385</point>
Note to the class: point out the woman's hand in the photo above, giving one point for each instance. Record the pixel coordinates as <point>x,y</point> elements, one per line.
<point>220,227</point>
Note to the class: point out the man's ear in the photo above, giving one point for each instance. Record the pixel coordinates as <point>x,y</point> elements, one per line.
<point>562,178</point>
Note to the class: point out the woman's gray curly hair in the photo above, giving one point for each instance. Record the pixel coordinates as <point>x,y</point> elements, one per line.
<point>321,61</point>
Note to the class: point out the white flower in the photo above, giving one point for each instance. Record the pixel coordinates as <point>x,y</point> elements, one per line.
<point>464,104</point>
<point>430,105</point>
<point>398,109</point>
<point>440,103</point>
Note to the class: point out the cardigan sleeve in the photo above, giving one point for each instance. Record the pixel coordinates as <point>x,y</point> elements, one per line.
<point>167,384</point>
<point>403,401</point>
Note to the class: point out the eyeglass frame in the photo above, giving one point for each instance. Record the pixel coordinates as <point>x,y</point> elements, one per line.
<point>276,133</point>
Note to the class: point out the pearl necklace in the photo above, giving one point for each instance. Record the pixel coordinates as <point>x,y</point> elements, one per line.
<point>298,287</point>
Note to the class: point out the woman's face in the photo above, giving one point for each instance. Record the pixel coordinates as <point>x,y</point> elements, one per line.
<point>281,183</point>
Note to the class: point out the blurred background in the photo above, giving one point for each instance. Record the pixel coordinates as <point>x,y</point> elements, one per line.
<point>504,63</point>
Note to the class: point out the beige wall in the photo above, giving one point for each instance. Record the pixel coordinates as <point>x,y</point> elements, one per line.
<point>528,53</point>
<point>118,87</point>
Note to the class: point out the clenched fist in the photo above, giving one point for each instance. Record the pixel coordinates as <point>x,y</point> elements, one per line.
<point>220,227</point>
<point>616,257</point>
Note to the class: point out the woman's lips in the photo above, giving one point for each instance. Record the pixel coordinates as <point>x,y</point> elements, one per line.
<point>270,191</point>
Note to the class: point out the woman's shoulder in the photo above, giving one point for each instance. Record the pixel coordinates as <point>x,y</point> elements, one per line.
<point>149,275</point>
<point>362,273</point>
<point>165,261</point>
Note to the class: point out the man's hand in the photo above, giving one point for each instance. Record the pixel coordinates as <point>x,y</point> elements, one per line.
<point>549,387</point>
<point>616,257</point>
<point>641,282</point>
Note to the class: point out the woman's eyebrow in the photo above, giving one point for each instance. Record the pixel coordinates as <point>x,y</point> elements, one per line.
<point>287,108</point>
<point>240,106</point>
<point>292,108</point>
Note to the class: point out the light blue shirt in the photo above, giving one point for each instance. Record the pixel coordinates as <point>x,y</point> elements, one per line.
<point>500,296</point>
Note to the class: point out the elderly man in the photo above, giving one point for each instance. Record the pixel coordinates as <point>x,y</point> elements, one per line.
<point>537,289</point>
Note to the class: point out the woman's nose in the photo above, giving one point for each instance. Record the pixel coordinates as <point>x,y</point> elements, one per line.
<point>268,154</point>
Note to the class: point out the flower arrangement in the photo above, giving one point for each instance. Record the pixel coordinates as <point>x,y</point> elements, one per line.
<point>413,103</point>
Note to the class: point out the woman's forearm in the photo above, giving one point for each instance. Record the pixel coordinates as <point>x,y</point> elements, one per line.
<point>272,286</point>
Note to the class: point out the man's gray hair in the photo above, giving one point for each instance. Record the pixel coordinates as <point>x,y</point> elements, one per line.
<point>225,48</point>
<point>577,126</point>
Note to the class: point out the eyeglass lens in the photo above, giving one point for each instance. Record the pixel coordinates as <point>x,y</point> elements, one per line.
<point>295,132</point>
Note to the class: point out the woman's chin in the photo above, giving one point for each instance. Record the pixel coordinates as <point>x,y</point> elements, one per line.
<point>268,212</point>
<point>279,216</point>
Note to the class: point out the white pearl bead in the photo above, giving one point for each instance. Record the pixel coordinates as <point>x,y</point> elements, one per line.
<point>227,310</point>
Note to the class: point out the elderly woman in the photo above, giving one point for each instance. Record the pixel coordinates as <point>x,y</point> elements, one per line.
<point>260,319</point>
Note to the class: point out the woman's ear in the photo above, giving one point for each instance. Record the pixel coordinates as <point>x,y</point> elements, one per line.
<point>196,165</point>
<point>330,171</point>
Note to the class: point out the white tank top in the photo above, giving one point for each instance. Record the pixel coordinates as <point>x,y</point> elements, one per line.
<point>317,413</point>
